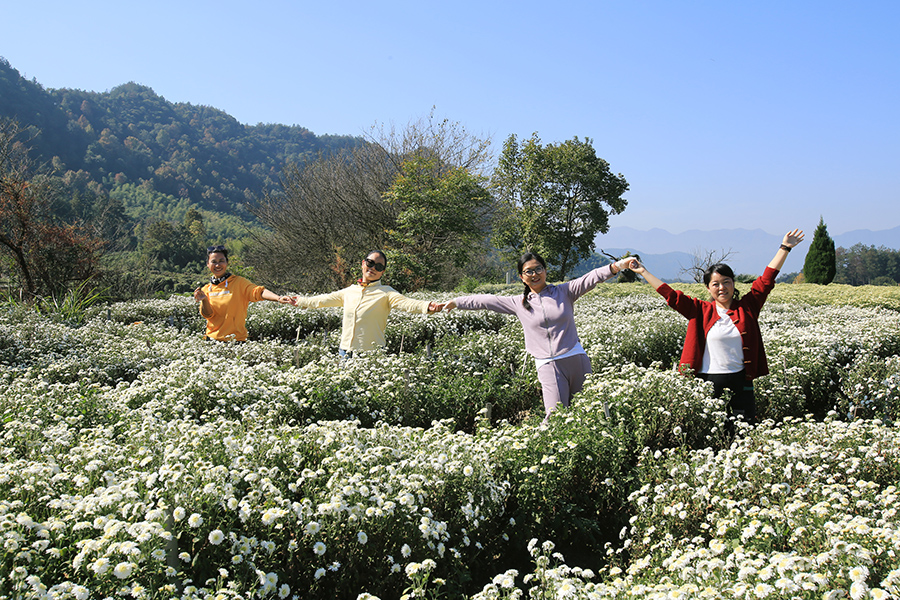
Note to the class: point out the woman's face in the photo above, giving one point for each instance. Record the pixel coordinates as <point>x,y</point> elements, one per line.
<point>370,266</point>
<point>721,288</point>
<point>534,275</point>
<point>217,264</point>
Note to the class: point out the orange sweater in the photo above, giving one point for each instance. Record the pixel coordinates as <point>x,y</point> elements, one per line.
<point>229,301</point>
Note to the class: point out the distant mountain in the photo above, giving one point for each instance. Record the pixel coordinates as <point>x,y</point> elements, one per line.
<point>667,254</point>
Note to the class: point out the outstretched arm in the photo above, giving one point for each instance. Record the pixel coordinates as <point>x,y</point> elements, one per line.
<point>791,239</point>
<point>273,297</point>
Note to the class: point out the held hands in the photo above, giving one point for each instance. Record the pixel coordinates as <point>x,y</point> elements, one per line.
<point>638,267</point>
<point>448,306</point>
<point>434,307</point>
<point>628,262</point>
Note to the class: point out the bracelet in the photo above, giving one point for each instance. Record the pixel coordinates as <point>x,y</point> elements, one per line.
<point>785,248</point>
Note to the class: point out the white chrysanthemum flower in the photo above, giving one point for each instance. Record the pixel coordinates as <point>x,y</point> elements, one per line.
<point>80,592</point>
<point>361,537</point>
<point>320,572</point>
<point>123,570</point>
<point>216,537</point>
<point>858,590</point>
<point>100,566</point>
<point>319,548</point>
<point>195,520</point>
<point>178,513</point>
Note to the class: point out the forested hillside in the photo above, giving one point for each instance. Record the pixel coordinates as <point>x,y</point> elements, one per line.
<point>132,135</point>
<point>144,182</point>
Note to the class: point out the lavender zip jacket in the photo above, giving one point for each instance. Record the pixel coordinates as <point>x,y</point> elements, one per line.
<point>549,325</point>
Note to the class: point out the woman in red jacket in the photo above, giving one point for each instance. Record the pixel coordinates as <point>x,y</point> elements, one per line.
<point>723,343</point>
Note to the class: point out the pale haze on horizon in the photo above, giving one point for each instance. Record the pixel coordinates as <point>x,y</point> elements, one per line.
<point>761,115</point>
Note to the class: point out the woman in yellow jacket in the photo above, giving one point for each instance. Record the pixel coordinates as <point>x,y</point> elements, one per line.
<point>224,300</point>
<point>366,304</point>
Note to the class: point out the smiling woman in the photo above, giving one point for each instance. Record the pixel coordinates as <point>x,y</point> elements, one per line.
<point>224,300</point>
<point>723,343</point>
<point>366,305</point>
<point>547,315</point>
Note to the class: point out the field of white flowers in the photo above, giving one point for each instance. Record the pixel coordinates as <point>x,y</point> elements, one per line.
<point>139,461</point>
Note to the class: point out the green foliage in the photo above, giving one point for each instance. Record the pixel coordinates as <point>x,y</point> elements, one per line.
<point>72,307</point>
<point>553,200</point>
<point>439,224</point>
<point>819,266</point>
<point>867,265</point>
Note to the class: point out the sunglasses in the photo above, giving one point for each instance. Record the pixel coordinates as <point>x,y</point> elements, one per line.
<point>212,249</point>
<point>534,271</point>
<point>374,265</point>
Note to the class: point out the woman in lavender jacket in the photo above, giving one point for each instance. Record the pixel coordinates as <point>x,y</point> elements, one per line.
<point>546,312</point>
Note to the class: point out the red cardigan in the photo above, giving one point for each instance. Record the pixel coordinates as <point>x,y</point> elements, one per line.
<point>744,312</point>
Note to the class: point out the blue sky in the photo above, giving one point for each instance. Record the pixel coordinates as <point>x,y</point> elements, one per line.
<point>719,114</point>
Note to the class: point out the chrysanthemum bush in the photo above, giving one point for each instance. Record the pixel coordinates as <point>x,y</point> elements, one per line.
<point>138,460</point>
<point>812,352</point>
<point>795,509</point>
<point>571,478</point>
<point>173,505</point>
<point>804,509</point>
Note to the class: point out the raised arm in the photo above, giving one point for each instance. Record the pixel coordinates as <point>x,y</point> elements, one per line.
<point>791,239</point>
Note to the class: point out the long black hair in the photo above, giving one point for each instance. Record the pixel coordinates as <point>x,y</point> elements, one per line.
<point>723,270</point>
<point>529,256</point>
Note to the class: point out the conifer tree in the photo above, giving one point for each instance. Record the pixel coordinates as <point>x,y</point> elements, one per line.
<point>820,263</point>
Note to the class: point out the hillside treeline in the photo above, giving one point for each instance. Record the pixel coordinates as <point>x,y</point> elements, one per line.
<point>867,265</point>
<point>149,183</point>
<point>132,135</point>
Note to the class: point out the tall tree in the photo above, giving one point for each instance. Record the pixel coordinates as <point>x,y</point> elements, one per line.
<point>440,224</point>
<point>555,199</point>
<point>820,264</point>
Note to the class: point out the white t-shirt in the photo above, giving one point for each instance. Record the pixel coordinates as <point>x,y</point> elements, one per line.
<point>724,352</point>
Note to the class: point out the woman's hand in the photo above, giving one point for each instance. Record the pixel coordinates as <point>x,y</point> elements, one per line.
<point>434,307</point>
<point>448,306</point>
<point>792,238</point>
<point>199,296</point>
